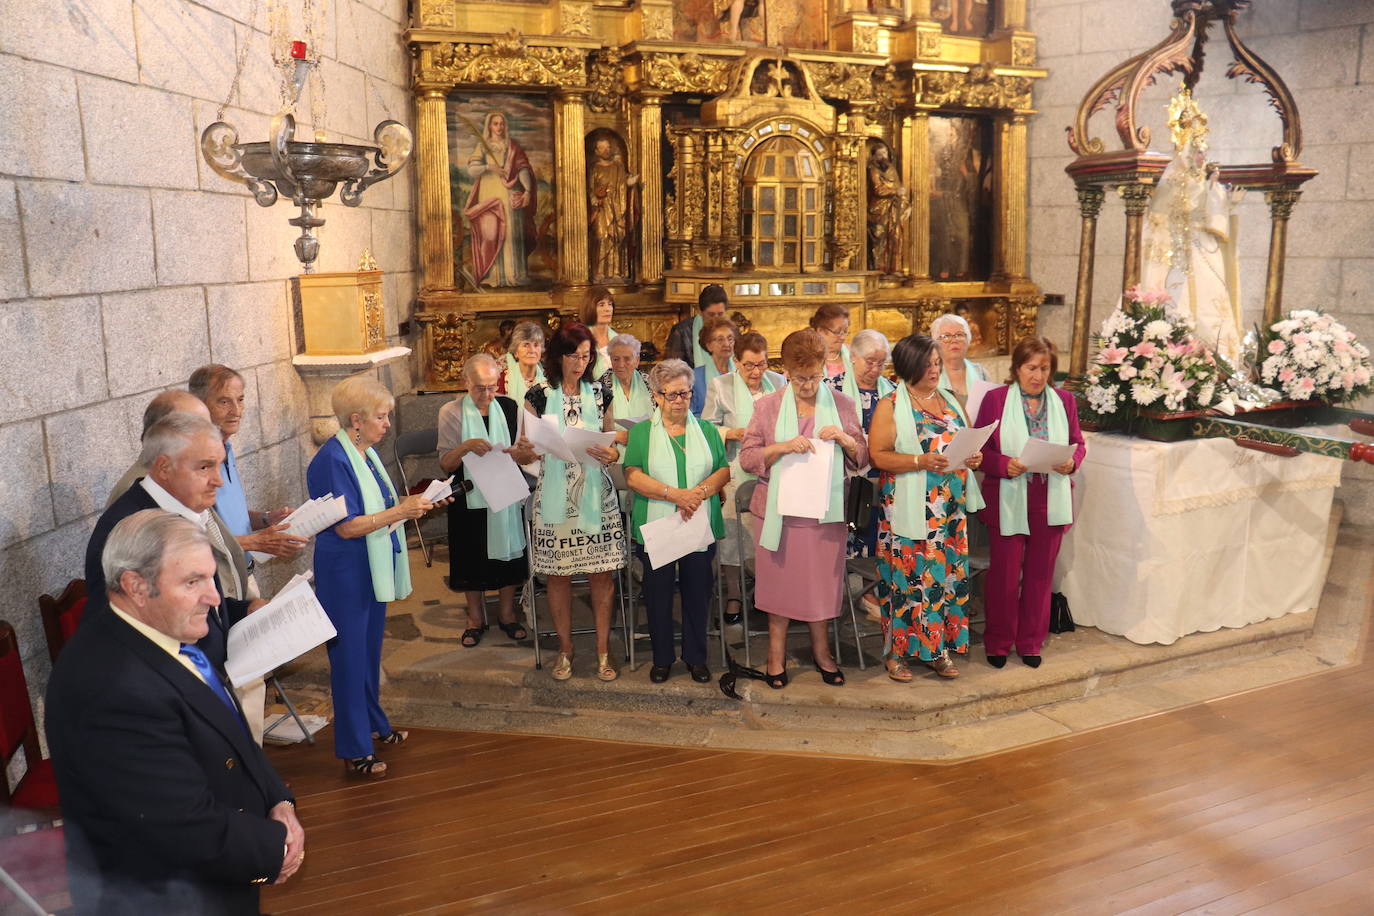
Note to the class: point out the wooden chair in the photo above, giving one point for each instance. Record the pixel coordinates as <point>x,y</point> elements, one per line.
<point>35,794</point>
<point>62,615</point>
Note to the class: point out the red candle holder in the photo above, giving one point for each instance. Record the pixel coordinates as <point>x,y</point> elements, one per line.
<point>298,50</point>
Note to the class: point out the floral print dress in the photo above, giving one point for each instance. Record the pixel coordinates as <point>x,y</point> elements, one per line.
<point>924,587</point>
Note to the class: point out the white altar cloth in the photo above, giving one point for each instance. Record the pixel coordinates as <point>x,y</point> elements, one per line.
<point>1187,537</point>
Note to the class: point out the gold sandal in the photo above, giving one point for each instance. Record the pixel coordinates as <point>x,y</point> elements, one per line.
<point>563,670</point>
<point>943,666</point>
<point>604,670</point>
<point>898,671</point>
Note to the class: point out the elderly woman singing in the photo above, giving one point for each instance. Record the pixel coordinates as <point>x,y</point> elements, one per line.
<point>800,561</point>
<point>523,366</point>
<point>957,372</point>
<point>676,463</point>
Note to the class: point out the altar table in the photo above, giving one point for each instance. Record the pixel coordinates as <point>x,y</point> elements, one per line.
<point>1187,537</point>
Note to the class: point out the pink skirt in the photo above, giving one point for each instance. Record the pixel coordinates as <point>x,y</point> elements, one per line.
<point>802,579</point>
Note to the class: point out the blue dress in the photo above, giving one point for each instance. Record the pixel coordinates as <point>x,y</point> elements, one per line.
<point>343,584</point>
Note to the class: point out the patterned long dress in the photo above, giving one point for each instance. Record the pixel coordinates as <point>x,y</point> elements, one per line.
<point>925,586</point>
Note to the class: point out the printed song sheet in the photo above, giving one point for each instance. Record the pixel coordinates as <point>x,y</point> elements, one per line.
<point>804,481</point>
<point>579,440</point>
<point>671,538</point>
<point>497,477</point>
<point>965,443</point>
<point>285,628</point>
<point>1040,457</point>
<point>631,422</point>
<point>977,390</point>
<point>309,519</point>
<point>544,435</point>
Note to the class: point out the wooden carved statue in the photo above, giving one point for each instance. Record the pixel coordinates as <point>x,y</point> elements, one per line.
<point>610,190</point>
<point>889,210</point>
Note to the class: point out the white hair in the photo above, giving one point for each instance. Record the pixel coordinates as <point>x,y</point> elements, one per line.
<point>950,317</point>
<point>141,542</point>
<point>666,371</point>
<point>476,360</point>
<point>172,434</point>
<point>869,341</point>
<point>628,341</point>
<point>527,332</point>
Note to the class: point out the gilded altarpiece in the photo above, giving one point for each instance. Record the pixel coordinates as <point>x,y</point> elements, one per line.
<point>792,176</point>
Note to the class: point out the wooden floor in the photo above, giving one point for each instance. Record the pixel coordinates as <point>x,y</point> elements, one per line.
<point>1261,803</point>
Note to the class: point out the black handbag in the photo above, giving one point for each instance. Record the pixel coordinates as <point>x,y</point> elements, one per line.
<point>858,503</point>
<point>1061,621</point>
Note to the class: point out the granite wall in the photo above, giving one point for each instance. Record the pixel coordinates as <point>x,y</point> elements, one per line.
<point>125,262</point>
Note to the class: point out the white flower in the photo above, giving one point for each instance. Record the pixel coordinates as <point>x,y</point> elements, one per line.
<point>1102,399</point>
<point>1158,329</point>
<point>1146,394</point>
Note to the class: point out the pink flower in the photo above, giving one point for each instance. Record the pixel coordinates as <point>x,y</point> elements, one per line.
<point>1136,293</point>
<point>1300,338</point>
<point>1127,372</point>
<point>1361,376</point>
<point>1340,346</point>
<point>1286,375</point>
<point>1306,386</point>
<point>1145,348</point>
<point>1157,296</point>
<point>1348,380</point>
<point>1275,346</point>
<point>1112,356</point>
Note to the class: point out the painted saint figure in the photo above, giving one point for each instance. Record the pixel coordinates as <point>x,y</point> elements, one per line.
<point>889,208</point>
<point>501,206</point>
<point>608,211</point>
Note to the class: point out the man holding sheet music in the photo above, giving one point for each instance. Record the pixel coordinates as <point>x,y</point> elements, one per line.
<point>486,528</point>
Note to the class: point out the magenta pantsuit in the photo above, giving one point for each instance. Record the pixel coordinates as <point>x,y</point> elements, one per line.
<point>1021,567</point>
<point>803,578</point>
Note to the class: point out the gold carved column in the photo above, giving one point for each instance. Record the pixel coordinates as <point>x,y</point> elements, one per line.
<point>1009,259</point>
<point>1137,198</point>
<point>1090,199</point>
<point>851,225</point>
<point>915,172</point>
<point>649,166</point>
<point>568,110</point>
<point>1280,209</point>
<point>436,206</point>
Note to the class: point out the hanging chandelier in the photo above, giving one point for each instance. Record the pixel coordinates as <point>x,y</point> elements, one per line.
<point>305,171</point>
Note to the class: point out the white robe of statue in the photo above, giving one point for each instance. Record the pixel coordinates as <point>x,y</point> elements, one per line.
<point>1191,249</point>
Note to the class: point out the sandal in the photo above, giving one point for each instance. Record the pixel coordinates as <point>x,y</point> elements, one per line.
<point>368,767</point>
<point>515,630</point>
<point>776,681</point>
<point>604,669</point>
<point>833,678</point>
<point>472,636</point>
<point>943,666</point>
<point>395,736</point>
<point>898,671</point>
<point>562,671</point>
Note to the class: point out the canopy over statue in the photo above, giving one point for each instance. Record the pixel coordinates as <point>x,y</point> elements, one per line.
<point>1190,245</point>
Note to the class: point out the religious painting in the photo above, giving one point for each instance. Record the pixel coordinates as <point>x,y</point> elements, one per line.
<point>612,207</point>
<point>961,197</point>
<point>501,168</point>
<point>772,23</point>
<point>975,18</point>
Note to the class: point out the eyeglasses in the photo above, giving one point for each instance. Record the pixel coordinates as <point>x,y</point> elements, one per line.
<point>951,338</point>
<point>807,379</point>
<point>835,332</point>
<point>753,367</point>
<point>580,357</point>
<point>722,339</point>
<point>874,360</point>
<point>675,395</point>
<point>484,388</point>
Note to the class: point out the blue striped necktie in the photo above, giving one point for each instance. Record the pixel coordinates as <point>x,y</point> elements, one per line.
<point>212,679</point>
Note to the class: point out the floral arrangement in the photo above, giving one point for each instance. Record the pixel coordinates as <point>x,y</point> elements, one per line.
<point>1310,355</point>
<point>1149,357</point>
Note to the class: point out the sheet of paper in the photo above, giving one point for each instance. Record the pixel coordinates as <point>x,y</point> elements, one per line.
<point>544,435</point>
<point>309,519</point>
<point>671,538</point>
<point>977,390</point>
<point>966,442</point>
<point>630,422</point>
<point>579,440</point>
<point>1040,457</point>
<point>497,477</point>
<point>285,628</point>
<point>439,489</point>
<point>803,481</point>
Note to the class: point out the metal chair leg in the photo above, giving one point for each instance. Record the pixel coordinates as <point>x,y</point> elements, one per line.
<point>854,622</point>
<point>291,708</point>
<point>424,548</point>
<point>720,605</point>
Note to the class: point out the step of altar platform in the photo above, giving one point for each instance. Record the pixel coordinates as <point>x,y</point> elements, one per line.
<point>1089,679</point>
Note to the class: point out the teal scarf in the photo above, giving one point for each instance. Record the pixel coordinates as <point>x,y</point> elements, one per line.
<point>662,465</point>
<point>972,372</point>
<point>553,502</point>
<point>850,386</point>
<point>909,500</point>
<point>602,363</point>
<point>515,382</point>
<point>711,370</point>
<point>744,407</point>
<point>1011,504</point>
<point>505,529</point>
<point>390,569</point>
<point>786,429</point>
<point>699,355</point>
<point>885,386</point>
<point>637,404</point>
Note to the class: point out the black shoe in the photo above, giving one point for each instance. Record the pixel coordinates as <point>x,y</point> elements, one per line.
<point>776,681</point>
<point>700,673</point>
<point>734,620</point>
<point>1031,661</point>
<point>997,661</point>
<point>833,678</point>
<point>659,673</point>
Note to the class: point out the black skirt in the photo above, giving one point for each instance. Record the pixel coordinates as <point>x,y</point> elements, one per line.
<point>470,569</point>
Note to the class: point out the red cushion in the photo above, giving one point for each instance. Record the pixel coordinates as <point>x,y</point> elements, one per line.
<point>38,788</point>
<point>71,619</point>
<point>16,715</point>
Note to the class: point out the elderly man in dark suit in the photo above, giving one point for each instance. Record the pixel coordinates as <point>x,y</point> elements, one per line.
<point>169,805</point>
<point>182,453</point>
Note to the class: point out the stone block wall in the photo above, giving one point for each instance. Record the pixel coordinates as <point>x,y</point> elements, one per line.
<point>125,262</point>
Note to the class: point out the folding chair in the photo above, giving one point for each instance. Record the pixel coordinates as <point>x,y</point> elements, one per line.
<point>421,445</point>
